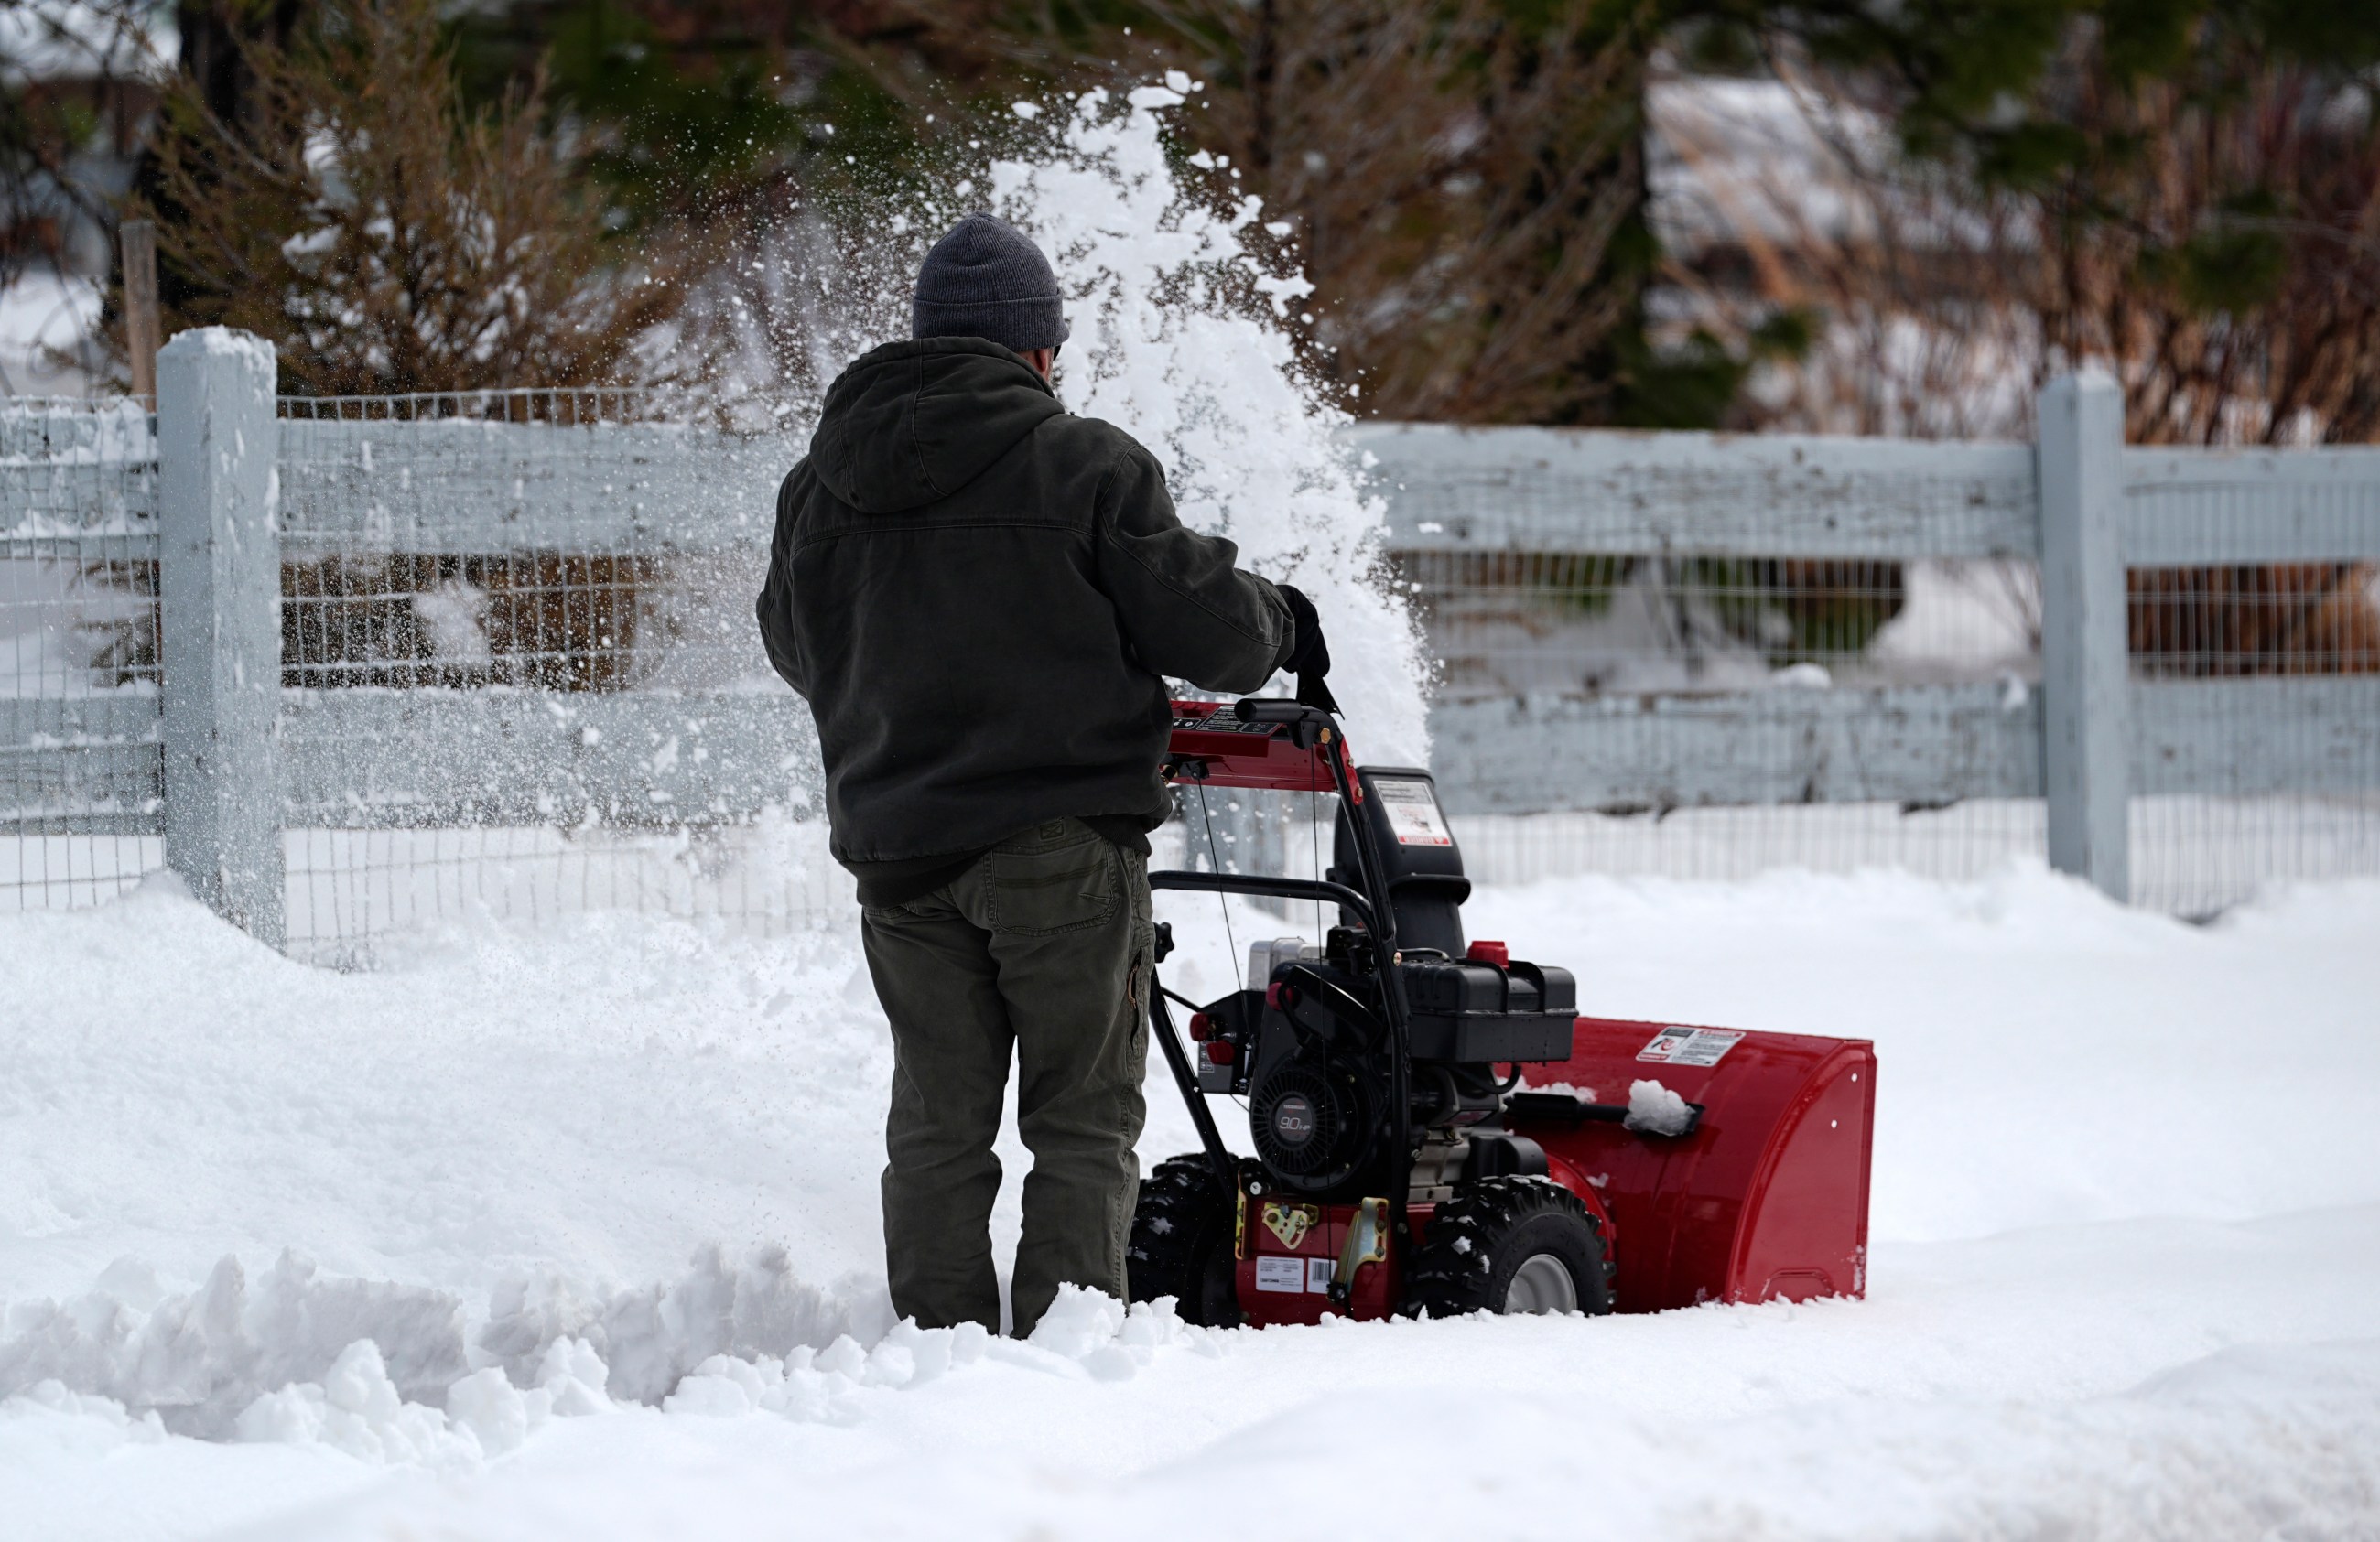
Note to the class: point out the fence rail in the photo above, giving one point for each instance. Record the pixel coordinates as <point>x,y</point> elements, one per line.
<point>505,633</point>
<point>1564,489</point>
<point>2186,508</point>
<point>370,759</point>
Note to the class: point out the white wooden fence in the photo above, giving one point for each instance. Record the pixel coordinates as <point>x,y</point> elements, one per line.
<point>2083,504</point>
<point>210,759</point>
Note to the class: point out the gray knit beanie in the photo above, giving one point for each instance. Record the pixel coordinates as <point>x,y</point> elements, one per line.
<point>987,279</point>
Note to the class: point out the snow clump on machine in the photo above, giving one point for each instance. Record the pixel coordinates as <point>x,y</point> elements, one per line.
<point>1654,1110</point>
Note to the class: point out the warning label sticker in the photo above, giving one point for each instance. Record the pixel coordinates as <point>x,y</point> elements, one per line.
<point>1689,1046</point>
<point>1412,812</point>
<point>1281,1274</point>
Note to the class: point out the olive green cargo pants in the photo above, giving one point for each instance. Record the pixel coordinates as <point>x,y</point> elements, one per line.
<point>1041,949</point>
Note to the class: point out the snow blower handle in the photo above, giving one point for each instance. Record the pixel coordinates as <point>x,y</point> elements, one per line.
<point>1306,720</point>
<point>1309,658</point>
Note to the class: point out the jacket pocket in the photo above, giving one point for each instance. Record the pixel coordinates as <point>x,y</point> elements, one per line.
<point>1041,893</point>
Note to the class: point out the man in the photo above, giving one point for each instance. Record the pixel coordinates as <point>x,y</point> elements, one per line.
<point>978,594</point>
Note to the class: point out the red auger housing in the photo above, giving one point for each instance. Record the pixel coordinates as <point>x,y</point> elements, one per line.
<point>1436,1130</point>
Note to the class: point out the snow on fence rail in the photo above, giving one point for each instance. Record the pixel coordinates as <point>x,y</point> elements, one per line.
<point>496,648</point>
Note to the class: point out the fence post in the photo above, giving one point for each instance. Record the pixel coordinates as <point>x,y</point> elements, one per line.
<point>2085,687</point>
<point>219,628</point>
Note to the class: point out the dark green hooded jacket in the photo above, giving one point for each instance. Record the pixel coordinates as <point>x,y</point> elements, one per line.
<point>977,592</point>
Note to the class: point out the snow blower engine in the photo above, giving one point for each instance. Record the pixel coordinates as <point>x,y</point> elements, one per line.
<point>1435,1127</point>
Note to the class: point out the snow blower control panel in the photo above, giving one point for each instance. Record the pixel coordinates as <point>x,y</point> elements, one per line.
<point>1211,744</point>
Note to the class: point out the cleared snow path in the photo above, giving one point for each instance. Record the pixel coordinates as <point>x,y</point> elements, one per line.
<point>2127,1280</point>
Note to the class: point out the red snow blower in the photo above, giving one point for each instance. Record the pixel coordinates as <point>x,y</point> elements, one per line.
<point>1401,1166</point>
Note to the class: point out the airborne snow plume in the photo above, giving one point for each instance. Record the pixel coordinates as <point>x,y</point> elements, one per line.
<point>1172,350</point>
<point>1178,339</point>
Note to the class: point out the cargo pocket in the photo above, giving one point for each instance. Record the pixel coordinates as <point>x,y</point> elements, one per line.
<point>1140,983</point>
<point>1041,893</point>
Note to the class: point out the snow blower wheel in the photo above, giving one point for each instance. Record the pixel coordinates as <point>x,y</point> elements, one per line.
<point>1516,1247</point>
<point>1181,1243</point>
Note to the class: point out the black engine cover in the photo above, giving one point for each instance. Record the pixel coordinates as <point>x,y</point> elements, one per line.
<point>1311,1122</point>
<point>1467,1010</point>
<point>1319,1091</point>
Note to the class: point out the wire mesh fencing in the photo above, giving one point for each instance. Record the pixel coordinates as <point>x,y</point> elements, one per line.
<point>79,758</point>
<point>519,676</point>
<point>1672,625</point>
<point>1505,622</point>
<point>451,556</point>
<point>2258,679</point>
<point>544,540</point>
<point>350,888</point>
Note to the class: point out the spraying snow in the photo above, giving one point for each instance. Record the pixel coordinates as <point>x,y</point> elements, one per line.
<point>1173,351</point>
<point>1177,340</point>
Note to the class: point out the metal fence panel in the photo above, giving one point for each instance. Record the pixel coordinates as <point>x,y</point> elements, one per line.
<point>1618,617</point>
<point>80,756</point>
<point>2253,622</point>
<point>1636,631</point>
<point>377,758</point>
<point>518,675</point>
<point>519,668</point>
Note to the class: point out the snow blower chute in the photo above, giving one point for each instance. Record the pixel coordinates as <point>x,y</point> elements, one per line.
<point>1437,1129</point>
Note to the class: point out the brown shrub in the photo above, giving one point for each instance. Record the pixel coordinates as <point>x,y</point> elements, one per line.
<point>385,237</point>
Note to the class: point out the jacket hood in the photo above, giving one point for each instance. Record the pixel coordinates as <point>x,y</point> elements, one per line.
<point>912,422</point>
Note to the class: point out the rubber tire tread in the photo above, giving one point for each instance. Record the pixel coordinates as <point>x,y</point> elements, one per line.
<point>1183,1217</point>
<point>1496,1216</point>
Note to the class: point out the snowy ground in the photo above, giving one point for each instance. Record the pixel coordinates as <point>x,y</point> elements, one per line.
<point>2126,1279</point>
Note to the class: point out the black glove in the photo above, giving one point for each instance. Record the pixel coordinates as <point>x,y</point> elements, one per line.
<point>1310,654</point>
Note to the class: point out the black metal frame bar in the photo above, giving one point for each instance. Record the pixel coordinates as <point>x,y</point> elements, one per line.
<point>1370,901</point>
<point>1275,888</point>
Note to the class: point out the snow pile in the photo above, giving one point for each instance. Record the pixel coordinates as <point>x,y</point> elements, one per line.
<point>653,1336</point>
<point>1715,1435</point>
<point>501,1153</point>
<point>356,1409</point>
<point>46,315</point>
<point>355,1404</point>
<point>56,1397</point>
<point>2223,1448</point>
<point>1084,1336</point>
<point>201,1359</point>
<point>198,1359</point>
<point>1654,1110</point>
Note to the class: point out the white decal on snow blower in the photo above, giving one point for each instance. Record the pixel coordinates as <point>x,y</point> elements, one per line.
<point>1413,811</point>
<point>1281,1274</point>
<point>1689,1046</point>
